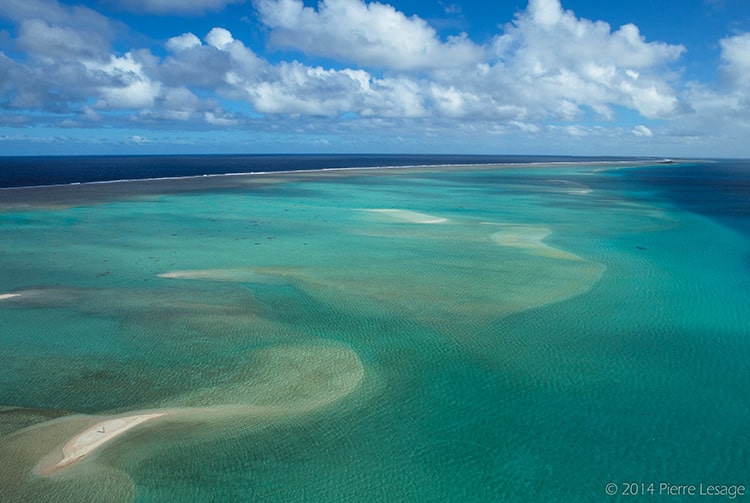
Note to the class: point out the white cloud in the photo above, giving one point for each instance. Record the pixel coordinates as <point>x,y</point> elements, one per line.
<point>194,64</point>
<point>566,60</point>
<point>547,64</point>
<point>47,29</point>
<point>180,104</point>
<point>546,73</point>
<point>37,37</point>
<point>175,6</point>
<point>312,91</point>
<point>243,60</point>
<point>367,34</point>
<point>223,120</point>
<point>735,54</point>
<point>219,38</point>
<point>125,84</point>
<point>183,42</point>
<point>394,97</point>
<point>525,127</point>
<point>642,130</point>
<point>56,14</point>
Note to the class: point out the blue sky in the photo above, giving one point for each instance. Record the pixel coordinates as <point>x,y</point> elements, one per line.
<point>588,77</point>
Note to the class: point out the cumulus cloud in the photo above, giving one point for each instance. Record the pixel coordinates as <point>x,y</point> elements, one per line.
<point>366,34</point>
<point>49,29</point>
<point>723,111</point>
<point>181,104</point>
<point>547,63</point>
<point>570,62</point>
<point>183,42</point>
<point>395,97</point>
<point>546,72</point>
<point>286,88</point>
<point>296,88</point>
<point>219,38</point>
<point>194,64</point>
<point>735,54</point>
<point>125,85</point>
<point>55,13</point>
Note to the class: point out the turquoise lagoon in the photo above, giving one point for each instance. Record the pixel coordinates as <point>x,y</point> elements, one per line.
<point>478,333</point>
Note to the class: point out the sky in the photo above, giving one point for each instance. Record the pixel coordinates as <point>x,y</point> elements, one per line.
<point>579,77</point>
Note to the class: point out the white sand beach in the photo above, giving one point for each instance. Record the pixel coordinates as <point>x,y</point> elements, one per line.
<point>5,296</point>
<point>94,437</point>
<point>412,217</point>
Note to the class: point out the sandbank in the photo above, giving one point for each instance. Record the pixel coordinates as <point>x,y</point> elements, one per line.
<point>282,381</point>
<point>94,437</point>
<point>531,240</point>
<point>413,217</point>
<point>4,296</point>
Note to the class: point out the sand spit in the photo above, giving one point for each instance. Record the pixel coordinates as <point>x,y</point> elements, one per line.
<point>412,217</point>
<point>280,382</point>
<point>94,437</point>
<point>6,296</point>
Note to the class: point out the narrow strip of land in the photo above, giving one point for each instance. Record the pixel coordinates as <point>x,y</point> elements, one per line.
<point>95,436</point>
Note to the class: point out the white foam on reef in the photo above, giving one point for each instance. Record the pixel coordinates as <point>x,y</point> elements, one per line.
<point>409,216</point>
<point>5,296</point>
<point>605,165</point>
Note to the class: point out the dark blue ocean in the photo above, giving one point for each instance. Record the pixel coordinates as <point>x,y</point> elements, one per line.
<point>33,171</point>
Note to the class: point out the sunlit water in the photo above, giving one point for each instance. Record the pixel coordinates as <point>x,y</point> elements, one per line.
<point>435,334</point>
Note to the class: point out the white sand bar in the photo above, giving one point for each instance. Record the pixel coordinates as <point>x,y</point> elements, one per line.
<point>286,380</point>
<point>4,296</point>
<point>412,217</point>
<point>94,437</point>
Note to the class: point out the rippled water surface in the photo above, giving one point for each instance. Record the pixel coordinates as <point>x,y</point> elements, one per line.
<point>479,333</point>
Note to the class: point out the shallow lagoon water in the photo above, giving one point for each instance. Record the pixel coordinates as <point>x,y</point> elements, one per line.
<point>435,334</point>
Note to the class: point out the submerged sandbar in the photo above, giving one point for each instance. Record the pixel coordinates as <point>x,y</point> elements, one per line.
<point>409,216</point>
<point>282,381</point>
